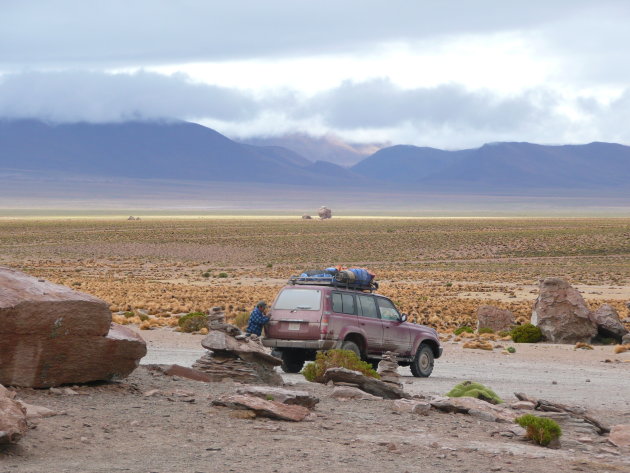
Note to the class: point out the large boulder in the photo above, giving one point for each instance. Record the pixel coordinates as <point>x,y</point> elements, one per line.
<point>52,335</point>
<point>561,313</point>
<point>12,418</point>
<point>494,318</point>
<point>606,319</point>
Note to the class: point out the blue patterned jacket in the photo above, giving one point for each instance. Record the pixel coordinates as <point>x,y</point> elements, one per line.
<point>256,321</point>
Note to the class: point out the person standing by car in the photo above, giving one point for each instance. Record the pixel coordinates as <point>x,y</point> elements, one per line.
<point>257,319</point>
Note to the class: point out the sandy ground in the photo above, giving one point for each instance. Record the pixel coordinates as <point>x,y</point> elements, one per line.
<point>111,427</point>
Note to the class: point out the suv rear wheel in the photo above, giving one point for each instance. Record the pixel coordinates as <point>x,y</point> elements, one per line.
<point>348,345</point>
<point>292,360</point>
<point>422,364</point>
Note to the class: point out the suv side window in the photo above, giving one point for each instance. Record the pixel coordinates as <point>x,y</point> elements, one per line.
<point>367,307</point>
<point>388,310</point>
<point>343,303</point>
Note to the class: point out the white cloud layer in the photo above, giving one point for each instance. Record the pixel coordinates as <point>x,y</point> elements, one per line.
<point>441,73</point>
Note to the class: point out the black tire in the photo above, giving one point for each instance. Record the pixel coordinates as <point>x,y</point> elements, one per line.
<point>292,362</point>
<point>422,364</point>
<point>348,345</point>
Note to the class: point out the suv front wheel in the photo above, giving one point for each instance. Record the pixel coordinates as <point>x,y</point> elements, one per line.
<point>422,364</point>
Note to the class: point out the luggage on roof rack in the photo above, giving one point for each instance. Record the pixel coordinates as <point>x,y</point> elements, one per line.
<point>352,278</point>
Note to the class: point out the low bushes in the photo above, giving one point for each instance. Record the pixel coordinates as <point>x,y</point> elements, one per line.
<point>540,429</point>
<point>193,322</point>
<point>315,371</point>
<point>526,333</point>
<point>460,330</point>
<point>477,390</point>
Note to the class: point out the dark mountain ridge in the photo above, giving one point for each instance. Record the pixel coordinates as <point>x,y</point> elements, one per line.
<point>185,151</point>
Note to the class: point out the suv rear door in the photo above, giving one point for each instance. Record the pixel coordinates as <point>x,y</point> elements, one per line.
<point>344,313</point>
<point>396,334</point>
<point>296,314</point>
<point>370,323</point>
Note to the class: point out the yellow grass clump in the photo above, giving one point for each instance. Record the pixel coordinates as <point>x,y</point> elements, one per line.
<point>621,348</point>
<point>479,345</point>
<point>583,346</point>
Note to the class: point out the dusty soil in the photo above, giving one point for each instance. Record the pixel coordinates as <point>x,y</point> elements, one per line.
<point>115,427</point>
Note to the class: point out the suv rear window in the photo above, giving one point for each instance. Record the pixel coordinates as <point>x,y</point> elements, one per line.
<point>299,299</point>
<point>343,303</point>
<point>367,306</point>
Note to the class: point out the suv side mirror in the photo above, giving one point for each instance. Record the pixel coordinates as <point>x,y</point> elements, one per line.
<point>403,318</point>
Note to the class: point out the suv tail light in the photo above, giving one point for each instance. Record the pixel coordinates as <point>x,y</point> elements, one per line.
<point>324,324</point>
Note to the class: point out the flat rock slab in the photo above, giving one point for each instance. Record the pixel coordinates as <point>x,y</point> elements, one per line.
<point>40,362</point>
<point>476,407</point>
<point>36,412</point>
<point>249,350</point>
<point>285,396</point>
<point>370,385</point>
<point>188,373</point>
<point>12,418</point>
<point>413,406</point>
<point>31,306</point>
<point>346,393</point>
<point>52,335</point>
<point>263,407</point>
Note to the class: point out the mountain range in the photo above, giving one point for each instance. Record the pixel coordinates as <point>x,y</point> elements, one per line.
<point>187,151</point>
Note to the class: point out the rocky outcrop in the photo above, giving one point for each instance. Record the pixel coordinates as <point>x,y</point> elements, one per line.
<point>52,335</point>
<point>263,407</point>
<point>494,318</point>
<point>324,212</point>
<point>365,383</point>
<point>608,324</point>
<point>12,418</point>
<point>285,396</point>
<point>234,356</point>
<point>475,407</point>
<point>561,313</point>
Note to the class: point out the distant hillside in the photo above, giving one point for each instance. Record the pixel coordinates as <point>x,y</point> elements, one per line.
<point>155,150</point>
<point>502,166</point>
<point>324,148</point>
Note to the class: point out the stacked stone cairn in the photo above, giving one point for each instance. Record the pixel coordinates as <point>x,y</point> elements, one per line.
<point>234,356</point>
<point>388,369</point>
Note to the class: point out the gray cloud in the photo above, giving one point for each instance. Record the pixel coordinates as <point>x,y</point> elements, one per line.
<point>67,33</point>
<point>72,96</point>
<point>379,103</point>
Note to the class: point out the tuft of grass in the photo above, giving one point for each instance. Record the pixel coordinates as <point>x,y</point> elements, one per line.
<point>222,275</point>
<point>462,329</point>
<point>526,333</point>
<point>269,397</point>
<point>241,320</point>
<point>477,390</point>
<point>510,350</point>
<point>206,274</point>
<point>583,346</point>
<point>336,358</point>
<point>540,429</point>
<point>193,322</point>
<point>621,348</point>
<point>485,330</point>
<point>269,265</point>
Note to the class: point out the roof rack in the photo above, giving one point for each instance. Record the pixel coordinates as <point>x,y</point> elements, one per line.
<point>331,281</point>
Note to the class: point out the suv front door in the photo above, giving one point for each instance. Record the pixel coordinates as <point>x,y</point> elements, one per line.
<point>396,336</point>
<point>370,323</point>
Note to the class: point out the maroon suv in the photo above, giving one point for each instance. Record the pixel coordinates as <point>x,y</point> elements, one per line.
<point>308,318</point>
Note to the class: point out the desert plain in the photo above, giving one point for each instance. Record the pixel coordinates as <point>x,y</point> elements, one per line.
<point>438,271</point>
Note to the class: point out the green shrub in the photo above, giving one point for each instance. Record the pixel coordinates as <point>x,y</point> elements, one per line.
<point>526,333</point>
<point>315,371</point>
<point>269,265</point>
<point>485,330</point>
<point>222,275</point>
<point>465,328</point>
<point>478,390</point>
<point>510,350</point>
<point>504,333</point>
<point>129,314</point>
<point>206,274</point>
<point>540,429</point>
<point>449,284</point>
<point>241,320</point>
<point>193,322</point>
<point>143,317</point>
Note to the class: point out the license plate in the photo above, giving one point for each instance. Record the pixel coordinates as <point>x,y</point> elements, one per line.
<point>294,326</point>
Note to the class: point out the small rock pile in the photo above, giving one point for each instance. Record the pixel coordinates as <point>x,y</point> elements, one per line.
<point>388,369</point>
<point>234,356</point>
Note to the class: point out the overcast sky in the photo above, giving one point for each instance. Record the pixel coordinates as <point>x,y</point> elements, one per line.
<point>443,73</point>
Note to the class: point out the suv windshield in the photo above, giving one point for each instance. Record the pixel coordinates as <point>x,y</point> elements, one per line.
<point>299,299</point>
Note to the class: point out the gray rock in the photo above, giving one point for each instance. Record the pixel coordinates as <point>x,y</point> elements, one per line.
<point>608,324</point>
<point>345,393</point>
<point>365,383</point>
<point>561,313</point>
<point>285,396</point>
<point>494,318</point>
<point>625,339</point>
